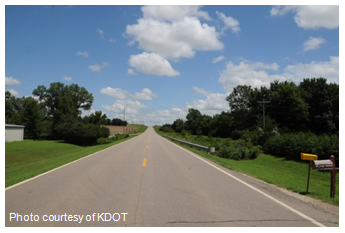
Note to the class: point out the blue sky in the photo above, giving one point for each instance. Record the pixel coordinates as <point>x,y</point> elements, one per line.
<point>159,61</point>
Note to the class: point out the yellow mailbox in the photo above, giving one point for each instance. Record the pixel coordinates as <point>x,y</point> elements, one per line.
<point>305,156</point>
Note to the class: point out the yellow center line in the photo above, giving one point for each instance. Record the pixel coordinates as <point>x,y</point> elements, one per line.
<point>144,162</point>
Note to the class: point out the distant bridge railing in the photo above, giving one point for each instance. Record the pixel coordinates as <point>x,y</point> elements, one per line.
<point>200,147</point>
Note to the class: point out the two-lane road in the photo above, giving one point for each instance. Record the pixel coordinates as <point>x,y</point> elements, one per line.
<point>149,181</point>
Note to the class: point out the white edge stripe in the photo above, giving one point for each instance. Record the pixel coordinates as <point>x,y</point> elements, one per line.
<point>45,173</point>
<point>252,187</point>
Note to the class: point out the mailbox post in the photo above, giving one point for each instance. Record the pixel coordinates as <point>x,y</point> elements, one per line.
<point>327,165</point>
<point>309,157</point>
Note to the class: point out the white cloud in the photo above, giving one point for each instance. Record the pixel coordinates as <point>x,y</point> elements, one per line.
<point>213,104</point>
<point>13,92</point>
<point>97,68</point>
<point>151,63</point>
<point>67,78</point>
<point>117,93</point>
<point>133,109</point>
<point>313,43</point>
<point>311,17</point>
<point>145,94</point>
<point>82,54</point>
<point>326,69</point>
<point>180,37</point>
<point>253,74</point>
<point>218,59</point>
<point>229,22</point>
<point>165,116</point>
<point>256,74</point>
<point>101,33</point>
<point>10,81</point>
<point>131,72</point>
<point>172,13</point>
<point>201,91</point>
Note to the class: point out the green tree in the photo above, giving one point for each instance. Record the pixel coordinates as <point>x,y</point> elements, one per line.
<point>178,125</point>
<point>62,103</point>
<point>240,106</point>
<point>222,125</point>
<point>287,107</point>
<point>32,117</point>
<point>96,118</point>
<point>13,106</point>
<point>193,121</point>
<point>323,101</point>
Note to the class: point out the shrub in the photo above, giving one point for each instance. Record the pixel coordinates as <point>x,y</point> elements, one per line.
<point>238,150</point>
<point>291,145</point>
<point>80,133</point>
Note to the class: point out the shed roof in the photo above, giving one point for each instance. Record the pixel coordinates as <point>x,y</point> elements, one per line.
<point>14,126</point>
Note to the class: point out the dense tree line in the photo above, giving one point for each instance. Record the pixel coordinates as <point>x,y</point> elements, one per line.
<point>312,107</point>
<point>56,113</point>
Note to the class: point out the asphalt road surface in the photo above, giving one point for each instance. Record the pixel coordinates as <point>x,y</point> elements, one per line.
<point>149,181</point>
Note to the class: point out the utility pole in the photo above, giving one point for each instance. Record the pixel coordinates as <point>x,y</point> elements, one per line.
<point>263,102</point>
<point>124,118</point>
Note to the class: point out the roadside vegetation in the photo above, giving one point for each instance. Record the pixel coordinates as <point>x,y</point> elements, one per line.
<point>274,123</point>
<point>56,132</point>
<point>288,174</point>
<point>56,114</point>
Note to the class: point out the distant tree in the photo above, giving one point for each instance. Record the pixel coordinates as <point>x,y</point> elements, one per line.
<point>13,106</point>
<point>193,121</point>
<point>323,101</point>
<point>118,122</point>
<point>287,107</point>
<point>240,106</point>
<point>222,125</point>
<point>32,117</point>
<point>205,125</point>
<point>96,118</point>
<point>178,125</point>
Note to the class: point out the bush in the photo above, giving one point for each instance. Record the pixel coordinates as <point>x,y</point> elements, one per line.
<point>80,133</point>
<point>104,140</point>
<point>291,145</point>
<point>238,150</point>
<point>166,129</point>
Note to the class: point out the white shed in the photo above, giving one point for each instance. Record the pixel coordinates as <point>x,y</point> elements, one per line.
<point>14,132</point>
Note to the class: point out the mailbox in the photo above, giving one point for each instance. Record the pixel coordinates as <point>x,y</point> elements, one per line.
<point>305,156</point>
<point>327,165</point>
<point>322,165</point>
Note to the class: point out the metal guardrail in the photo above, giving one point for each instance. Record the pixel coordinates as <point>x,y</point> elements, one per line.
<point>208,149</point>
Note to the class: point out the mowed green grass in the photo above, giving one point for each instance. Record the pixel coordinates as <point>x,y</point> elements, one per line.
<point>29,158</point>
<point>290,175</point>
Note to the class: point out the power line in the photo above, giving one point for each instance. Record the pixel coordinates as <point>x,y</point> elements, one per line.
<point>20,76</point>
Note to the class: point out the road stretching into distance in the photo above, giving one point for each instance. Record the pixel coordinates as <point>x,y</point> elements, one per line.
<point>150,181</point>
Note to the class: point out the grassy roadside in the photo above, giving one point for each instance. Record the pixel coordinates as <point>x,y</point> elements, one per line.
<point>287,174</point>
<point>29,158</point>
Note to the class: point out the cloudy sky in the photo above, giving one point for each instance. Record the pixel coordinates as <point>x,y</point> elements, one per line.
<point>158,61</point>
